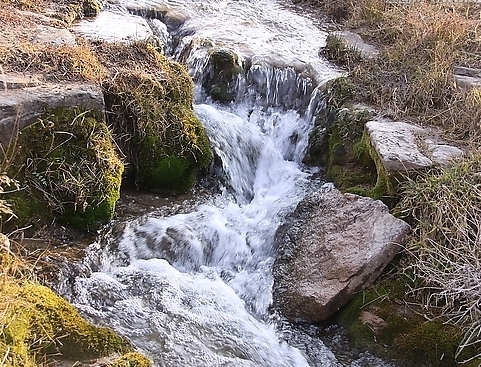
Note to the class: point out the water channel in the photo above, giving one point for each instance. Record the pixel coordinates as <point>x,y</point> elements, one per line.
<point>190,284</point>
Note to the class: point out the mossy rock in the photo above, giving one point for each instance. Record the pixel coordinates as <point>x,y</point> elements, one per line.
<point>73,10</point>
<point>132,359</point>
<point>152,115</point>
<point>405,336</point>
<point>69,168</point>
<point>347,157</point>
<point>40,323</point>
<point>224,66</point>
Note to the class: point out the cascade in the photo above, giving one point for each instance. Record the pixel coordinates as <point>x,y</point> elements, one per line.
<point>193,288</point>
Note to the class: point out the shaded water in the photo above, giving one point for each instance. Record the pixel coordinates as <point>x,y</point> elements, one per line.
<point>191,285</point>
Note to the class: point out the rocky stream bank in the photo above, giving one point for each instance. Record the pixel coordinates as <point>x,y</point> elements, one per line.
<point>72,137</point>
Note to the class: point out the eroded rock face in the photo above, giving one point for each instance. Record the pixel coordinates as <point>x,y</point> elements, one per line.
<point>331,247</point>
<point>23,106</point>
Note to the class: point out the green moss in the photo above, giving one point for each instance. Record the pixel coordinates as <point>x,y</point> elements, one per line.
<point>155,124</point>
<point>406,335</point>
<point>349,164</point>
<point>55,326</point>
<point>220,81</point>
<point>132,359</point>
<point>40,323</point>
<point>70,169</point>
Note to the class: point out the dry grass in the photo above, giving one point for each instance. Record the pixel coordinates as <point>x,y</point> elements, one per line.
<point>421,43</point>
<point>20,53</point>
<point>446,247</point>
<point>56,63</point>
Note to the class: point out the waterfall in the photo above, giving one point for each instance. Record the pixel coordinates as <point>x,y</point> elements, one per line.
<point>193,288</point>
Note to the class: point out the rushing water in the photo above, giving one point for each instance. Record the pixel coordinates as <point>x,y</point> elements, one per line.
<point>193,288</point>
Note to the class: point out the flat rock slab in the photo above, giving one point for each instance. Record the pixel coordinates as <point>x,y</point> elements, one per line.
<point>21,107</point>
<point>18,81</point>
<point>354,40</point>
<point>331,247</point>
<point>405,147</point>
<point>54,36</point>
<point>114,27</point>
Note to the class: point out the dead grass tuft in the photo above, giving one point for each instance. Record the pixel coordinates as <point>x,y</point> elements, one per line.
<point>445,250</point>
<point>55,62</point>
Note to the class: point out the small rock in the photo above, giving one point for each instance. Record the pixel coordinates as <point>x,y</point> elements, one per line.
<point>4,243</point>
<point>354,41</point>
<point>54,36</point>
<point>374,322</point>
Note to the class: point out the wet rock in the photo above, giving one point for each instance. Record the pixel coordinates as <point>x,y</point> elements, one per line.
<point>21,107</point>
<point>224,66</point>
<point>331,247</point>
<point>405,147</point>
<point>114,27</point>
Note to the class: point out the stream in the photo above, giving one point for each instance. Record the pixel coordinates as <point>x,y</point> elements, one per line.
<point>190,283</point>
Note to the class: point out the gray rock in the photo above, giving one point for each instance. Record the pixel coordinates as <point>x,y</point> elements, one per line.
<point>21,107</point>
<point>18,81</point>
<point>467,82</point>
<point>405,147</point>
<point>331,247</point>
<point>467,78</point>
<point>397,145</point>
<point>353,40</point>
<point>54,36</point>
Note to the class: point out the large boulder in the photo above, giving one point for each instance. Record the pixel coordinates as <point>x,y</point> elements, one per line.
<point>331,247</point>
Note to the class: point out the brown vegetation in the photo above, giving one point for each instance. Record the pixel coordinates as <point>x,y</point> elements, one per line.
<point>421,44</point>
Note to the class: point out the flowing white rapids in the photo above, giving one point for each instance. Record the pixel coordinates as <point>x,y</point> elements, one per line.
<point>193,289</point>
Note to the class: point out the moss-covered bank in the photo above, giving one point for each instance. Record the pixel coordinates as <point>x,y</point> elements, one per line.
<point>340,144</point>
<point>68,169</point>
<point>388,321</point>
<point>150,109</point>
<point>36,324</point>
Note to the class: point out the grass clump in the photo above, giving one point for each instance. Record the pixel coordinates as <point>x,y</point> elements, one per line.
<point>69,169</point>
<point>337,51</point>
<point>413,77</point>
<point>150,110</point>
<point>445,253</point>
<point>68,63</point>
